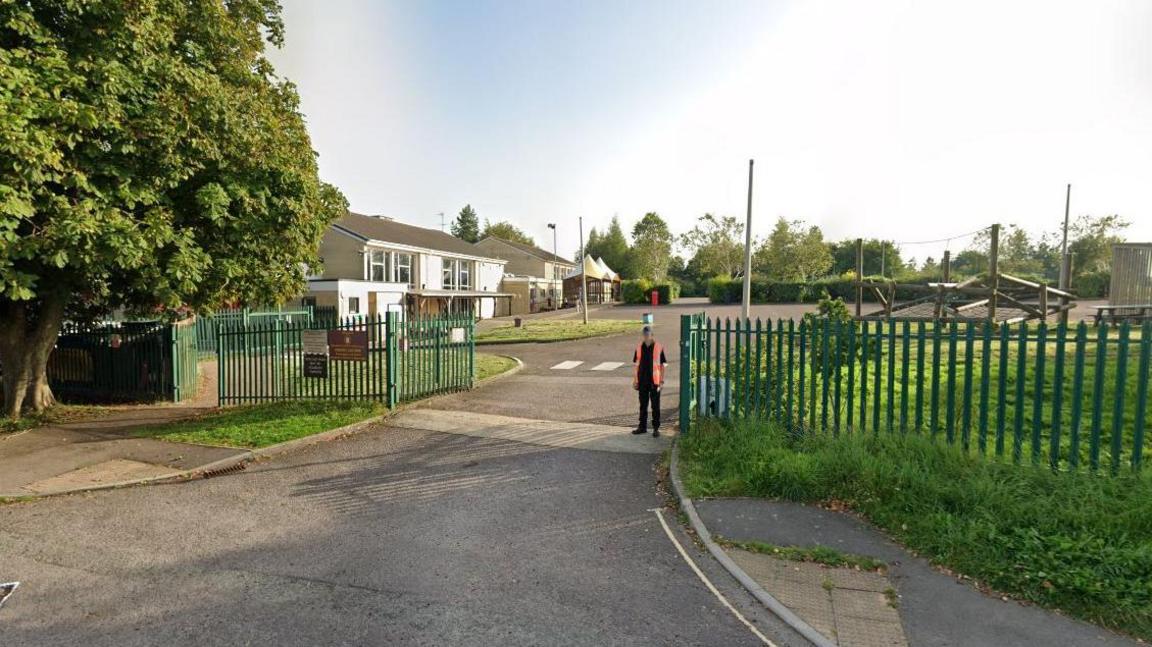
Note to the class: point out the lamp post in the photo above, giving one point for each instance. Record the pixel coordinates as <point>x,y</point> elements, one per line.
<point>555,303</point>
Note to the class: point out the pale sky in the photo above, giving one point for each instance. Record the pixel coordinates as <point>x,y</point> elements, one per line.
<point>903,120</point>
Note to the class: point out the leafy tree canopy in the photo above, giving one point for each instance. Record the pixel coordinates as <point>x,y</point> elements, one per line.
<point>717,246</point>
<point>507,231</point>
<point>793,252</point>
<point>651,250</point>
<point>152,160</point>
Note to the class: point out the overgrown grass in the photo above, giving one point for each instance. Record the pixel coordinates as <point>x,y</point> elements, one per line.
<point>555,330</point>
<point>815,554</point>
<point>264,424</point>
<point>489,365</point>
<point>1073,541</point>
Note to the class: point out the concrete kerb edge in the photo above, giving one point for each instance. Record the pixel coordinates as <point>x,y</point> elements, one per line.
<point>199,471</point>
<point>775,606</point>
<point>512,371</point>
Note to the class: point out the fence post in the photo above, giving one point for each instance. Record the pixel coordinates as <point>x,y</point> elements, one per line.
<point>390,350</point>
<point>685,372</point>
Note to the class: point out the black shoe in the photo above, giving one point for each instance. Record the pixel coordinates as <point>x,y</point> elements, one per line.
<point>637,431</point>
<point>655,433</point>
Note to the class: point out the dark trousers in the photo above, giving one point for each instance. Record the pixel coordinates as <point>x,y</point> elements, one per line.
<point>648,393</point>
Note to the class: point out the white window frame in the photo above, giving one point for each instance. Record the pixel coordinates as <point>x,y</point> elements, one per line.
<point>382,264</point>
<point>353,310</point>
<point>448,273</point>
<point>397,266</point>
<point>464,275</point>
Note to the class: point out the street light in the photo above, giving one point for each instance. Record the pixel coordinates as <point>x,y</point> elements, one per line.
<point>555,303</point>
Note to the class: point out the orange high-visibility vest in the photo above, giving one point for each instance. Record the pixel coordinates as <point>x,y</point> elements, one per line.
<point>657,368</point>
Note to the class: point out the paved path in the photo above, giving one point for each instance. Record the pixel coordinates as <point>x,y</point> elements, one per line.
<point>102,449</point>
<point>936,610</point>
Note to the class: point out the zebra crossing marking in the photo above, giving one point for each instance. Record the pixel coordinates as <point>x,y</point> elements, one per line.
<point>568,365</point>
<point>607,366</point>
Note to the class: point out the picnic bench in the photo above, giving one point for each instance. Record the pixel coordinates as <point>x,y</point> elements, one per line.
<point>1138,313</point>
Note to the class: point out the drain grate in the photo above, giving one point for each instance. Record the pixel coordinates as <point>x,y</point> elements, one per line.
<point>231,469</point>
<point>6,590</point>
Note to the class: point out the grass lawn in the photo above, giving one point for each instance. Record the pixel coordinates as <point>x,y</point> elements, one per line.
<point>556,330</point>
<point>261,425</point>
<point>489,365</point>
<point>1077,542</point>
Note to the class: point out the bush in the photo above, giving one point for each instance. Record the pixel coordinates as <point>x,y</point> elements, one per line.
<point>668,292</point>
<point>1079,542</point>
<point>636,290</point>
<point>1091,285</point>
<point>723,290</point>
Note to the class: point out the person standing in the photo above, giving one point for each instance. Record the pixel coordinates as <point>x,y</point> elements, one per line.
<point>648,364</point>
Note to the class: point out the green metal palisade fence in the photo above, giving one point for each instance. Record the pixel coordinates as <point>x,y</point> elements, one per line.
<point>405,359</point>
<point>1067,397</point>
<point>208,324</point>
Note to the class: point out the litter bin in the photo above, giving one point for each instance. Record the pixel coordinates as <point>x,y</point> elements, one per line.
<point>517,322</point>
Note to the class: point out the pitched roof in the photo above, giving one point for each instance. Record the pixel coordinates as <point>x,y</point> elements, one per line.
<point>532,249</point>
<point>391,231</point>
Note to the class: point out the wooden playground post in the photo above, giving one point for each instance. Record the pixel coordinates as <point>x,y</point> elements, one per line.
<point>994,271</point>
<point>859,276</point>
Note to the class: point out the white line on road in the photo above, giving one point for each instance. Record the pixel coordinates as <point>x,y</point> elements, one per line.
<point>564,366</point>
<point>607,366</point>
<point>696,569</point>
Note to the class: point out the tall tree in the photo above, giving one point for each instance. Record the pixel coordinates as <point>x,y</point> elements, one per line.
<point>878,254</point>
<point>717,246</point>
<point>651,248</point>
<point>612,246</point>
<point>793,252</point>
<point>507,231</point>
<point>152,161</point>
<point>467,225</point>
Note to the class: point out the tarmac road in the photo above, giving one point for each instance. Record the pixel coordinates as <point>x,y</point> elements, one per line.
<point>391,537</point>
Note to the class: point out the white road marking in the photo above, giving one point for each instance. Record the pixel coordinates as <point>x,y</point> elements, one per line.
<point>607,366</point>
<point>696,569</point>
<point>564,366</point>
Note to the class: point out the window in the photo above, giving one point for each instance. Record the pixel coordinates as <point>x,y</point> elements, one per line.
<point>378,266</point>
<point>465,274</point>
<point>353,305</point>
<point>449,274</point>
<point>403,273</point>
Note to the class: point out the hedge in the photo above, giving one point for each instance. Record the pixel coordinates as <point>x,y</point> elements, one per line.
<point>640,291</point>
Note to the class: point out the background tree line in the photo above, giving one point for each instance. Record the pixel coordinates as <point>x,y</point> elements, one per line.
<point>797,252</point>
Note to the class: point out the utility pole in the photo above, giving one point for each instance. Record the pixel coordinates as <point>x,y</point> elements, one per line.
<point>883,254</point>
<point>555,303</point>
<point>583,275</point>
<point>1065,260</point>
<point>746,301</point>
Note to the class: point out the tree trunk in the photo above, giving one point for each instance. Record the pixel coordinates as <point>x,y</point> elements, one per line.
<point>28,332</point>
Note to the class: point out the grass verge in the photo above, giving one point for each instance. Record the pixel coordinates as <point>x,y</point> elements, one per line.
<point>1077,542</point>
<point>262,425</point>
<point>555,330</point>
<point>816,554</point>
<point>489,365</point>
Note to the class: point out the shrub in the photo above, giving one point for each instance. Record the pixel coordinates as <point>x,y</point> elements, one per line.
<point>635,290</point>
<point>723,290</point>
<point>668,291</point>
<point>1091,285</point>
